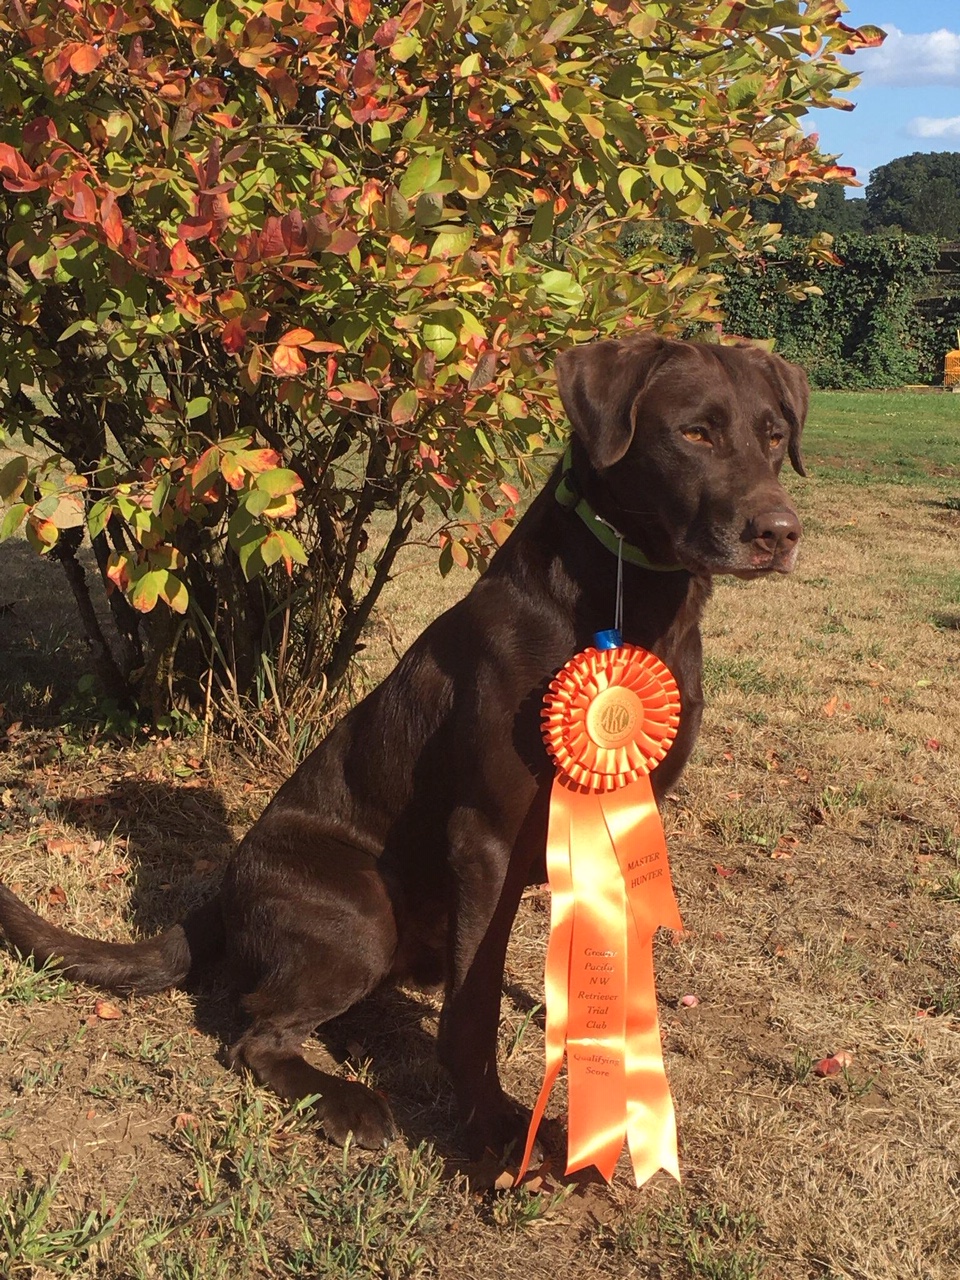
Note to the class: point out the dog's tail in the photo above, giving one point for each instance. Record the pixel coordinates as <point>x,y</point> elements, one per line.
<point>151,965</point>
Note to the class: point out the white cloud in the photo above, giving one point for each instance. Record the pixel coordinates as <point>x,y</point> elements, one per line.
<point>934,127</point>
<point>927,58</point>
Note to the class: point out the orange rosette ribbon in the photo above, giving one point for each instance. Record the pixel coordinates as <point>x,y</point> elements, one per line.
<point>609,718</point>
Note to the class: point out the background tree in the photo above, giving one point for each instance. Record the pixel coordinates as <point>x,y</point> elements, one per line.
<point>827,209</point>
<point>919,193</point>
<point>273,268</point>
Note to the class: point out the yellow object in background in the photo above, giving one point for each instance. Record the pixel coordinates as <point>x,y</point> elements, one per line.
<point>951,367</point>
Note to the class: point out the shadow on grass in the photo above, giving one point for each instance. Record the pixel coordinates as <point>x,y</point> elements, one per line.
<point>44,651</point>
<point>177,841</point>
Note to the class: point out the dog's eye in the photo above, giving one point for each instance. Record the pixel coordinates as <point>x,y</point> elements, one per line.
<point>776,439</point>
<point>697,434</point>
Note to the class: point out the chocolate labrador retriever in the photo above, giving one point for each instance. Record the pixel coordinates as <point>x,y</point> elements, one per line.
<point>401,846</point>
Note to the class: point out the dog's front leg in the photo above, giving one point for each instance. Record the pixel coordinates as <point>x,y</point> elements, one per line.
<point>489,871</point>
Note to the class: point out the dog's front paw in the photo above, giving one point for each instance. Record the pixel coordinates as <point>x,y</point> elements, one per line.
<point>350,1109</point>
<point>501,1131</point>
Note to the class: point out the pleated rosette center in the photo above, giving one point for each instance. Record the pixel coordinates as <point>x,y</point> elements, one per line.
<point>610,716</point>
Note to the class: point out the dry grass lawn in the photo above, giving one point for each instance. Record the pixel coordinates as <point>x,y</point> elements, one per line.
<point>816,849</point>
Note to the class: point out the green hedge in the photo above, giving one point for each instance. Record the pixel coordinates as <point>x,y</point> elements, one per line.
<point>885,318</point>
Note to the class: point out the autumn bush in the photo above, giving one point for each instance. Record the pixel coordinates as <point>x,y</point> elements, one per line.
<point>283,282</point>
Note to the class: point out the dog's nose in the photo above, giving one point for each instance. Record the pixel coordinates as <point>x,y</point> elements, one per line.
<point>774,532</point>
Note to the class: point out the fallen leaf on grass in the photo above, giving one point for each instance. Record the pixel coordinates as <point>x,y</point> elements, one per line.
<point>723,871</point>
<point>829,708</point>
<point>834,1064</point>
<point>106,1011</point>
<point>57,896</point>
<point>690,1002</point>
<point>61,847</point>
<point>932,744</point>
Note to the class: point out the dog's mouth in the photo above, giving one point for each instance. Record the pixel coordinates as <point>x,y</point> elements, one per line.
<point>746,568</point>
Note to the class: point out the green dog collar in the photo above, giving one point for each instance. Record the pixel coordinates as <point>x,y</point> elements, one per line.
<point>568,496</point>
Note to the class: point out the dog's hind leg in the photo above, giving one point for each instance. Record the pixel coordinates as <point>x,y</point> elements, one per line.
<point>313,951</point>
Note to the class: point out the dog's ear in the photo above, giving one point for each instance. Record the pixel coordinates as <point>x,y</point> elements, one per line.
<point>791,382</point>
<point>796,402</point>
<point>599,384</point>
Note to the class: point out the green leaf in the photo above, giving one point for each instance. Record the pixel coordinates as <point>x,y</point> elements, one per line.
<point>98,516</point>
<point>145,589</point>
<point>404,408</point>
<point>173,591</point>
<point>562,285</point>
<point>744,91</point>
<point>13,518</point>
<point>13,478</point>
<point>563,23</point>
<point>449,244</point>
<point>292,547</point>
<point>542,226</point>
<point>484,442</point>
<point>197,407</point>
<point>278,482</point>
<point>422,174</point>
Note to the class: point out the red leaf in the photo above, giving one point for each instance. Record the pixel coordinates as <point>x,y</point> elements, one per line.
<point>342,241</point>
<point>932,744</point>
<point>359,11</point>
<point>510,492</point>
<point>827,1067</point>
<point>107,1011</point>
<point>386,33</point>
<point>194,228</point>
<point>365,71</point>
<point>270,240</point>
<point>724,872</point>
<point>829,708</point>
<point>359,391</point>
<point>233,336</point>
<point>111,221</point>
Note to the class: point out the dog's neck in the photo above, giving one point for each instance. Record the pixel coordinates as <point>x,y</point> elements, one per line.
<point>571,566</point>
<point>568,493</point>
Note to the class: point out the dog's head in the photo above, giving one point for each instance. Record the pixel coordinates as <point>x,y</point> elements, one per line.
<point>684,443</point>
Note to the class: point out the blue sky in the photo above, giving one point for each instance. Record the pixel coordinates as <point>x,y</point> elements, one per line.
<point>909,97</point>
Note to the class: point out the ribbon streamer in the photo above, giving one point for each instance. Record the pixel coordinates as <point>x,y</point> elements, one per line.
<point>608,719</point>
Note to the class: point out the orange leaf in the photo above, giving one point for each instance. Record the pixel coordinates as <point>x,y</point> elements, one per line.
<point>231,471</point>
<point>288,362</point>
<point>297,337</point>
<point>107,1011</point>
<point>829,708</point>
<point>257,460</point>
<point>85,59</point>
